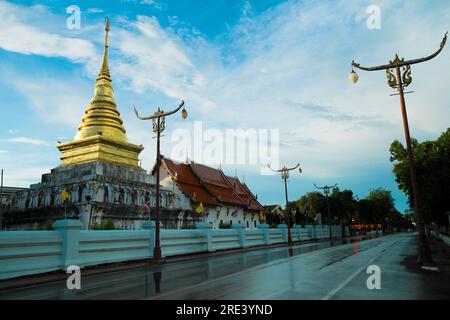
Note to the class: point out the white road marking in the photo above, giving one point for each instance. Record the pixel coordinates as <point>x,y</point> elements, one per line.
<point>333,292</point>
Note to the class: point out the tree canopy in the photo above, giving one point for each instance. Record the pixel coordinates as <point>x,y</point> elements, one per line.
<point>432,162</point>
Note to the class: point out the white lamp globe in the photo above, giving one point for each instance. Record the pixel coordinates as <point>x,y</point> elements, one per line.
<point>353,77</point>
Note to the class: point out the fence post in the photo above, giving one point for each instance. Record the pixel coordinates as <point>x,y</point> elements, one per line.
<point>319,232</point>
<point>298,230</point>
<point>206,229</point>
<point>240,227</point>
<point>310,231</point>
<point>283,228</point>
<point>70,231</point>
<point>341,230</point>
<point>150,225</point>
<point>265,230</point>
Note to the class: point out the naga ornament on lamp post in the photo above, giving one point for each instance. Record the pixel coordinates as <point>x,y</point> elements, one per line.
<point>285,175</point>
<point>398,72</point>
<point>159,124</point>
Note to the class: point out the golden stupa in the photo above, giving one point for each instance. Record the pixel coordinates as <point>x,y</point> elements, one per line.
<point>101,136</point>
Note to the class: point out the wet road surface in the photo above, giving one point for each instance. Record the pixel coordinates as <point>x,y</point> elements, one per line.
<point>319,270</point>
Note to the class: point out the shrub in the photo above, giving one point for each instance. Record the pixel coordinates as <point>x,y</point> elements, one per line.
<point>224,225</point>
<point>109,225</point>
<point>48,225</point>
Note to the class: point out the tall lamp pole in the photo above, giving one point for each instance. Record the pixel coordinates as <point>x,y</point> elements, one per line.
<point>159,124</point>
<point>326,191</point>
<point>285,175</point>
<point>399,81</point>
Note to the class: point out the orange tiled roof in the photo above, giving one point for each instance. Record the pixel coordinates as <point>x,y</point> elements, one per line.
<point>217,184</point>
<point>245,193</point>
<point>210,186</point>
<point>187,182</point>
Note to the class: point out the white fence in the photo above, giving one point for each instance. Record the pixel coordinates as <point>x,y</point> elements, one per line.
<point>33,252</point>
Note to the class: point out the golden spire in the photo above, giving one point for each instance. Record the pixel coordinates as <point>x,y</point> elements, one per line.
<point>104,71</point>
<point>101,136</point>
<point>102,117</point>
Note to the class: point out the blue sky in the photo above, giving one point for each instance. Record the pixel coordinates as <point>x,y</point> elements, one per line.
<point>238,64</point>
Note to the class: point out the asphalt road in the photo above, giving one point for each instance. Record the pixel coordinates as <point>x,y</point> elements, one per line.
<point>320,270</point>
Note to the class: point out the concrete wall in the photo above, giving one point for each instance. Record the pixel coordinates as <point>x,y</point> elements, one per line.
<point>33,252</point>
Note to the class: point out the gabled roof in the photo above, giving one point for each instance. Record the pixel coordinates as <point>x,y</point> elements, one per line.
<point>210,186</point>
<point>187,182</point>
<point>243,191</point>
<point>215,181</point>
<point>272,207</point>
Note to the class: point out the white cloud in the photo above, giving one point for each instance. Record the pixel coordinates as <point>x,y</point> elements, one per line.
<point>95,10</point>
<point>27,140</point>
<point>156,59</point>
<point>17,34</point>
<point>24,176</point>
<point>153,3</point>
<point>56,100</point>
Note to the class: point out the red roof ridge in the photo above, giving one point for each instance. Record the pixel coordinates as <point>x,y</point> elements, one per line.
<point>234,188</point>
<point>230,196</point>
<point>248,193</point>
<point>192,178</point>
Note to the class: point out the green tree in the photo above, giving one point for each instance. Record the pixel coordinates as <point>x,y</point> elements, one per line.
<point>310,205</point>
<point>432,161</point>
<point>376,207</point>
<point>343,205</point>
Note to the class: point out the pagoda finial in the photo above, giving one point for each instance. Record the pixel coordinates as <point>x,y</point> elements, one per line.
<point>104,71</point>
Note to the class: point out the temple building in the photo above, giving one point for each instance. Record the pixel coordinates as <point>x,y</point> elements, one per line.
<point>224,200</point>
<point>101,174</point>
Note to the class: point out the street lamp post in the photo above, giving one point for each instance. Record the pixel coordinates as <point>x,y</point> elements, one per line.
<point>285,175</point>
<point>399,81</point>
<point>326,190</point>
<point>158,119</point>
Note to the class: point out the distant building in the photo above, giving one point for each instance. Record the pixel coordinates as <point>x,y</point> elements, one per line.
<point>274,214</point>
<point>8,196</point>
<point>8,199</point>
